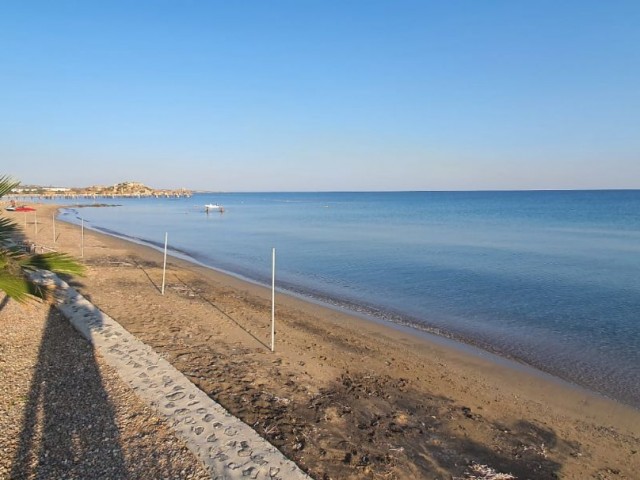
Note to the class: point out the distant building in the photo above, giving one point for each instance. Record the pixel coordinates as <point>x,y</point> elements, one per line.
<point>26,189</point>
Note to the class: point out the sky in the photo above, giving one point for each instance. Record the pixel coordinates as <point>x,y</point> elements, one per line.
<point>304,95</point>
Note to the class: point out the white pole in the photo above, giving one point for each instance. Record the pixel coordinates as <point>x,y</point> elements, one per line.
<point>35,217</point>
<point>273,300</point>
<point>82,239</point>
<point>53,216</point>
<point>164,267</point>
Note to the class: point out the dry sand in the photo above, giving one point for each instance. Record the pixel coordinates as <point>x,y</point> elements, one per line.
<point>346,397</point>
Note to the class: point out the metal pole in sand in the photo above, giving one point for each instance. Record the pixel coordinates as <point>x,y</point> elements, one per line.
<point>53,216</point>
<point>273,300</point>
<point>82,238</point>
<point>164,266</point>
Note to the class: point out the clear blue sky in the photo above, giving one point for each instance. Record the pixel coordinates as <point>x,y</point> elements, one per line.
<point>322,95</point>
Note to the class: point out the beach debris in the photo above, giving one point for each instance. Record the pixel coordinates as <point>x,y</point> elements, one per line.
<point>477,471</point>
<point>466,411</point>
<point>119,263</point>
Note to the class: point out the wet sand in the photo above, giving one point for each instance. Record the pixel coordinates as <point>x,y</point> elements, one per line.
<point>342,396</point>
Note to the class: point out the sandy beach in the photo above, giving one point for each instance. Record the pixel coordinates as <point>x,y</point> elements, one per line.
<point>342,396</point>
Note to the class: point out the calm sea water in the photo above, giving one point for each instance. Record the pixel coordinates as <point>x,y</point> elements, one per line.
<point>548,278</point>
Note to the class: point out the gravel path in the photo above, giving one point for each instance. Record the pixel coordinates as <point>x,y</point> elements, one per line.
<point>64,413</point>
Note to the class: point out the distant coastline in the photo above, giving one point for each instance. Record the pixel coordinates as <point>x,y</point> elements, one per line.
<point>119,190</point>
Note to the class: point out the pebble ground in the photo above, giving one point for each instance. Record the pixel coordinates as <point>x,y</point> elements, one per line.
<point>64,413</point>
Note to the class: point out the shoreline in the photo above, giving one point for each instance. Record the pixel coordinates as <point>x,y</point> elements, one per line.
<point>323,349</point>
<point>403,323</point>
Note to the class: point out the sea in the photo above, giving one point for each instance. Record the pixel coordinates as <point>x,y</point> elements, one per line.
<point>550,279</point>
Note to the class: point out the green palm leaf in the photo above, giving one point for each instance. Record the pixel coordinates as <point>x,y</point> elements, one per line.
<point>15,263</point>
<point>16,287</point>
<point>7,229</point>
<point>55,262</point>
<point>7,184</point>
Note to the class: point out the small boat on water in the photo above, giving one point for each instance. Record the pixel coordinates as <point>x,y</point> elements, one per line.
<point>213,207</point>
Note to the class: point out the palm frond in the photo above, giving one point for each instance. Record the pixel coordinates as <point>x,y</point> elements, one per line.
<point>22,289</point>
<point>7,229</point>
<point>7,184</point>
<point>10,259</point>
<point>12,252</point>
<point>16,287</point>
<point>15,262</point>
<point>55,262</point>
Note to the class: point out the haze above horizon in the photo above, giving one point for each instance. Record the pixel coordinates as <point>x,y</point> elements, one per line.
<point>317,96</point>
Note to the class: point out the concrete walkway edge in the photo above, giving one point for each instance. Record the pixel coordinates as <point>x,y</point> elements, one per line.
<point>228,448</point>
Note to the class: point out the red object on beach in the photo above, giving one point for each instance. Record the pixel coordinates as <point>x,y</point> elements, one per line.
<point>25,209</point>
